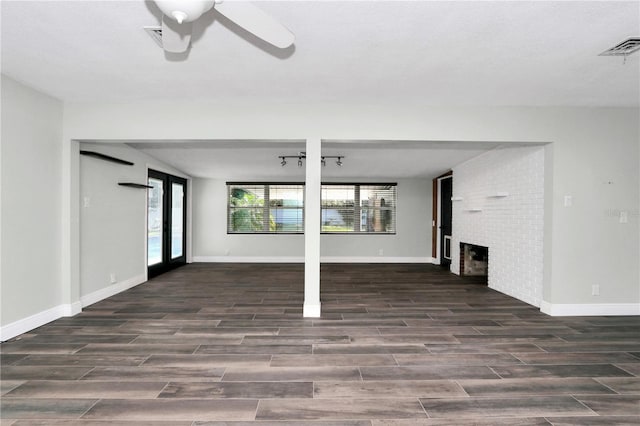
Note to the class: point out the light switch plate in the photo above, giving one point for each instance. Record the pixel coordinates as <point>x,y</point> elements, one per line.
<point>624,217</point>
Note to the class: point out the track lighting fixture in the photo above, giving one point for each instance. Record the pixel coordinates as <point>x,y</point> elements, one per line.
<point>303,156</point>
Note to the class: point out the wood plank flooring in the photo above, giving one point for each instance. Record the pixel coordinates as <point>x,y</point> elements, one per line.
<point>226,344</point>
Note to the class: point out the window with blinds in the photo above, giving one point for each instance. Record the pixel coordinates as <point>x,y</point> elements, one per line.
<point>359,208</point>
<point>268,208</point>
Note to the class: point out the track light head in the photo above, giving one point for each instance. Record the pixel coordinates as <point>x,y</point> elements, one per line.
<point>303,156</point>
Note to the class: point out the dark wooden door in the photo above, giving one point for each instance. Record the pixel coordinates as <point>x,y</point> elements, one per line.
<point>446,190</point>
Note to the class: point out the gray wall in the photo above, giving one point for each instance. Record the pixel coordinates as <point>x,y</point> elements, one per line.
<point>113,219</point>
<point>595,157</point>
<point>412,241</point>
<point>212,243</point>
<point>31,207</point>
<point>591,146</point>
<point>210,239</point>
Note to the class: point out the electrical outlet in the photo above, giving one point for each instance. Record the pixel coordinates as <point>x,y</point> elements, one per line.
<point>86,202</point>
<point>595,290</point>
<point>381,252</point>
<point>113,278</point>
<point>568,200</point>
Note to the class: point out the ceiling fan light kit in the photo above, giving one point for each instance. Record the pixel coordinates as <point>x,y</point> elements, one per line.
<point>184,10</point>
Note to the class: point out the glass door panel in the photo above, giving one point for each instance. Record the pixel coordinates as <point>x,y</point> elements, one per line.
<point>166,219</point>
<point>155,220</point>
<point>177,222</point>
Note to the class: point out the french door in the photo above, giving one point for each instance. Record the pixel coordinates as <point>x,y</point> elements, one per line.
<point>166,223</point>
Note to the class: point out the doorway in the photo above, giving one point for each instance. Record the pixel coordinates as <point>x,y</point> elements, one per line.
<point>442,222</point>
<point>166,223</point>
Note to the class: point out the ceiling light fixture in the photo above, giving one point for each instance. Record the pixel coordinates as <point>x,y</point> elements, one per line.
<point>185,10</point>
<point>303,156</point>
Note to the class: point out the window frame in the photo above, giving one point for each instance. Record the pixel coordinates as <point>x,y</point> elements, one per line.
<point>266,208</point>
<point>357,208</point>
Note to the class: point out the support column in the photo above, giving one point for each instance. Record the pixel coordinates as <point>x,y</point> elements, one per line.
<point>311,308</point>
<point>70,244</point>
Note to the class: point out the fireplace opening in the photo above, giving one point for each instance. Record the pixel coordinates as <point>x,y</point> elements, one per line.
<point>474,261</point>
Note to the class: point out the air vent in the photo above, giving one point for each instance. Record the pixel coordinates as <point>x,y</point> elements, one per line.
<point>155,33</point>
<point>625,48</point>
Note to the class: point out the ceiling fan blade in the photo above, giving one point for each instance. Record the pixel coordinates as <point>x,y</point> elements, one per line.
<point>175,37</point>
<point>257,22</point>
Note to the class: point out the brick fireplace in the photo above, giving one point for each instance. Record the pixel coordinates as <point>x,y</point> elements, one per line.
<point>474,260</point>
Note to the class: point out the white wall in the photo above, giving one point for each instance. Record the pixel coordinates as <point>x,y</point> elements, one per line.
<point>511,226</point>
<point>113,220</point>
<point>31,209</point>
<point>591,146</point>
<point>411,242</point>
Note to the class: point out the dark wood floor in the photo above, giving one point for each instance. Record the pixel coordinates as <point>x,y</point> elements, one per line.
<point>225,344</point>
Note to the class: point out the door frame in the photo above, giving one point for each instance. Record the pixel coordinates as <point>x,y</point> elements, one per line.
<point>436,233</point>
<point>169,264</point>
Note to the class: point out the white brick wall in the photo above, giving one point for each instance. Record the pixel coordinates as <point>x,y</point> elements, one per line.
<point>511,226</point>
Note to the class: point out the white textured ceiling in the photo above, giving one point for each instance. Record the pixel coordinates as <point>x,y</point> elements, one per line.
<point>258,160</point>
<point>437,53</point>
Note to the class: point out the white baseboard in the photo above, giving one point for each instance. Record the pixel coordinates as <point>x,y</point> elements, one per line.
<point>374,259</point>
<point>34,321</point>
<point>72,309</point>
<point>103,293</point>
<point>300,259</point>
<point>311,310</point>
<point>249,259</point>
<point>589,309</point>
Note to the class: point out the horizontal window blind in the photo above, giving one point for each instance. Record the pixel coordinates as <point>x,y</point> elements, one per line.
<point>265,208</point>
<point>359,208</point>
<point>378,208</point>
<point>271,208</point>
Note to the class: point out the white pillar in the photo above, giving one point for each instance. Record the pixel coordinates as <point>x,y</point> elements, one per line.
<point>70,242</point>
<point>311,306</point>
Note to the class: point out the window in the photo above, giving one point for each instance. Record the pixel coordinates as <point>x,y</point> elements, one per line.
<point>363,208</point>
<point>267,208</point>
<point>278,208</point>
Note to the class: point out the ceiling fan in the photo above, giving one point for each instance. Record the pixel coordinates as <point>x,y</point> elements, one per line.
<point>179,16</point>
